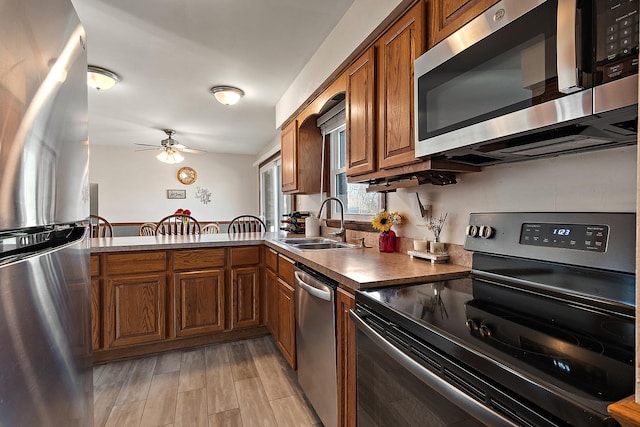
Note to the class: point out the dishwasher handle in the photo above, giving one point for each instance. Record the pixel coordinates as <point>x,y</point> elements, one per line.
<point>317,290</point>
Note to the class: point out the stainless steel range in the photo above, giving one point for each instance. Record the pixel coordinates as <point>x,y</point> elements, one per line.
<point>540,334</point>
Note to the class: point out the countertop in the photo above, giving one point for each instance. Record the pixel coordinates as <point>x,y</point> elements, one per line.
<point>355,268</point>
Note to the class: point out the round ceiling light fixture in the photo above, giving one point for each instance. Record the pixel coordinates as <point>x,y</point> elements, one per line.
<point>100,78</point>
<point>227,95</point>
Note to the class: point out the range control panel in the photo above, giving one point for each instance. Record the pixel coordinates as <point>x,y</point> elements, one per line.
<point>568,236</point>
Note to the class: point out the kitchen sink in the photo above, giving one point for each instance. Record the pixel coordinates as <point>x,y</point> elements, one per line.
<point>315,243</point>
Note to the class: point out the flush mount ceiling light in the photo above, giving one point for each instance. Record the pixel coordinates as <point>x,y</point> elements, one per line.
<point>100,78</point>
<point>227,95</point>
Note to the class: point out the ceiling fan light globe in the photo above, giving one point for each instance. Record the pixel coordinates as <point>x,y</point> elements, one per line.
<point>170,157</point>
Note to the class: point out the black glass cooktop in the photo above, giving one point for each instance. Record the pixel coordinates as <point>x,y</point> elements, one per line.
<point>561,345</point>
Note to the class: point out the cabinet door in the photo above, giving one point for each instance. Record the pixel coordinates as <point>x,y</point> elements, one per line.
<point>361,115</point>
<point>272,302</point>
<point>245,297</point>
<point>397,49</point>
<point>199,302</point>
<point>286,323</point>
<point>135,307</point>
<point>96,315</point>
<point>447,16</point>
<point>346,348</point>
<point>289,153</point>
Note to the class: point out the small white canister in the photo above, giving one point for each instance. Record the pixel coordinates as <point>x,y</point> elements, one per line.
<point>311,226</point>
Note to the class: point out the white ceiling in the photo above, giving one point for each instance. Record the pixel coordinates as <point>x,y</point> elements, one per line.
<point>170,52</point>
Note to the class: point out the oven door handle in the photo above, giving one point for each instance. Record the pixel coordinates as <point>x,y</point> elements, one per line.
<point>472,406</point>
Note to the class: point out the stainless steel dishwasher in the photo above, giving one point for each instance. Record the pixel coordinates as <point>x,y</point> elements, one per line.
<point>316,341</point>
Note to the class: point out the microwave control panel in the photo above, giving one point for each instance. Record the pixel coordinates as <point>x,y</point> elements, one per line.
<point>617,38</point>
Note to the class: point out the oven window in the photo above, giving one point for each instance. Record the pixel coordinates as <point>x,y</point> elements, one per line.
<point>507,71</point>
<point>389,395</point>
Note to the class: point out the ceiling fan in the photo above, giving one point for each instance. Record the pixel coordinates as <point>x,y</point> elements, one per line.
<point>170,149</point>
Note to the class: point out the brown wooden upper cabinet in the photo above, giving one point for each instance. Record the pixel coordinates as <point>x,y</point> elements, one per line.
<point>397,49</point>
<point>380,126</point>
<point>447,16</point>
<point>360,112</point>
<point>301,144</point>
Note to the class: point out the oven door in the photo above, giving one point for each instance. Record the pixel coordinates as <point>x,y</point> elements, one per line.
<point>404,381</point>
<point>515,68</point>
<point>395,389</point>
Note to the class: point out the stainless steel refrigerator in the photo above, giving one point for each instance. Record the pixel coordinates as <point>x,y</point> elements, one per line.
<point>45,314</point>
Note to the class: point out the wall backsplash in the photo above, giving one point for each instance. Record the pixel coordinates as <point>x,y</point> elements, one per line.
<point>601,181</point>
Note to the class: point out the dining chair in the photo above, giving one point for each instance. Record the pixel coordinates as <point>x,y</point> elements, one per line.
<point>148,229</point>
<point>100,227</point>
<point>177,224</point>
<point>213,228</point>
<point>246,224</point>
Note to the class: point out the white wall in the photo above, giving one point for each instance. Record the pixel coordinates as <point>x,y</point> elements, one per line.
<point>132,185</point>
<point>601,181</point>
<point>355,26</point>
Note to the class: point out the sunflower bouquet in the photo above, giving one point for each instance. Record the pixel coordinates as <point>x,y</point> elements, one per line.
<point>384,220</point>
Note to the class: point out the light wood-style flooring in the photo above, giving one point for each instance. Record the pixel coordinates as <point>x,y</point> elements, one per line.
<point>245,383</point>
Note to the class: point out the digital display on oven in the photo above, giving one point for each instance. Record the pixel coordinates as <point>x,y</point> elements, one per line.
<point>592,238</point>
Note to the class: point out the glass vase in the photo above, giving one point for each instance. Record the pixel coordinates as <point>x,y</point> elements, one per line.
<point>387,241</point>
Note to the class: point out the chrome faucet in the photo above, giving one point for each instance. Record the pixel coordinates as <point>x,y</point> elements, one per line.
<point>342,232</point>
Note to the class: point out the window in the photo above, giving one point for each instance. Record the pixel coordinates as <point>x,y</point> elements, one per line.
<point>272,202</point>
<point>358,204</point>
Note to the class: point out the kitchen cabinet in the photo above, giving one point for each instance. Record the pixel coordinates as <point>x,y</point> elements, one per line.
<point>135,291</point>
<point>360,114</point>
<point>397,49</point>
<point>287,322</point>
<point>199,291</point>
<point>346,349</point>
<point>245,287</point>
<point>301,150</point>
<point>280,303</point>
<point>447,16</point>
<point>151,301</point>
<point>96,302</point>
<point>301,143</point>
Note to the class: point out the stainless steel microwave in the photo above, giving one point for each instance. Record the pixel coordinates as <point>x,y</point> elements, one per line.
<point>530,78</point>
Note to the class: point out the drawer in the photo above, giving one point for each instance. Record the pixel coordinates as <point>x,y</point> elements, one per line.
<point>285,269</point>
<point>95,265</point>
<point>246,255</point>
<point>195,259</point>
<point>271,260</point>
<point>136,262</point>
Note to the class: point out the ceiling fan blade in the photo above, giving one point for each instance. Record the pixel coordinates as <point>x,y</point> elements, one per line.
<point>192,151</point>
<point>149,149</point>
<point>147,145</point>
<point>180,146</point>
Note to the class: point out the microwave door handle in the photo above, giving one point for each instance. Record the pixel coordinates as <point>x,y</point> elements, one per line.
<point>567,52</point>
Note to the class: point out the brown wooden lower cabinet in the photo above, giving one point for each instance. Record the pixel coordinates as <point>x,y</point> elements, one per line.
<point>286,322</point>
<point>199,302</point>
<point>271,306</point>
<point>346,349</point>
<point>146,302</point>
<point>135,305</point>
<point>245,297</point>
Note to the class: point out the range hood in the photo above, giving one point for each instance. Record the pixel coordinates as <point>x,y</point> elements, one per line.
<point>614,129</point>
